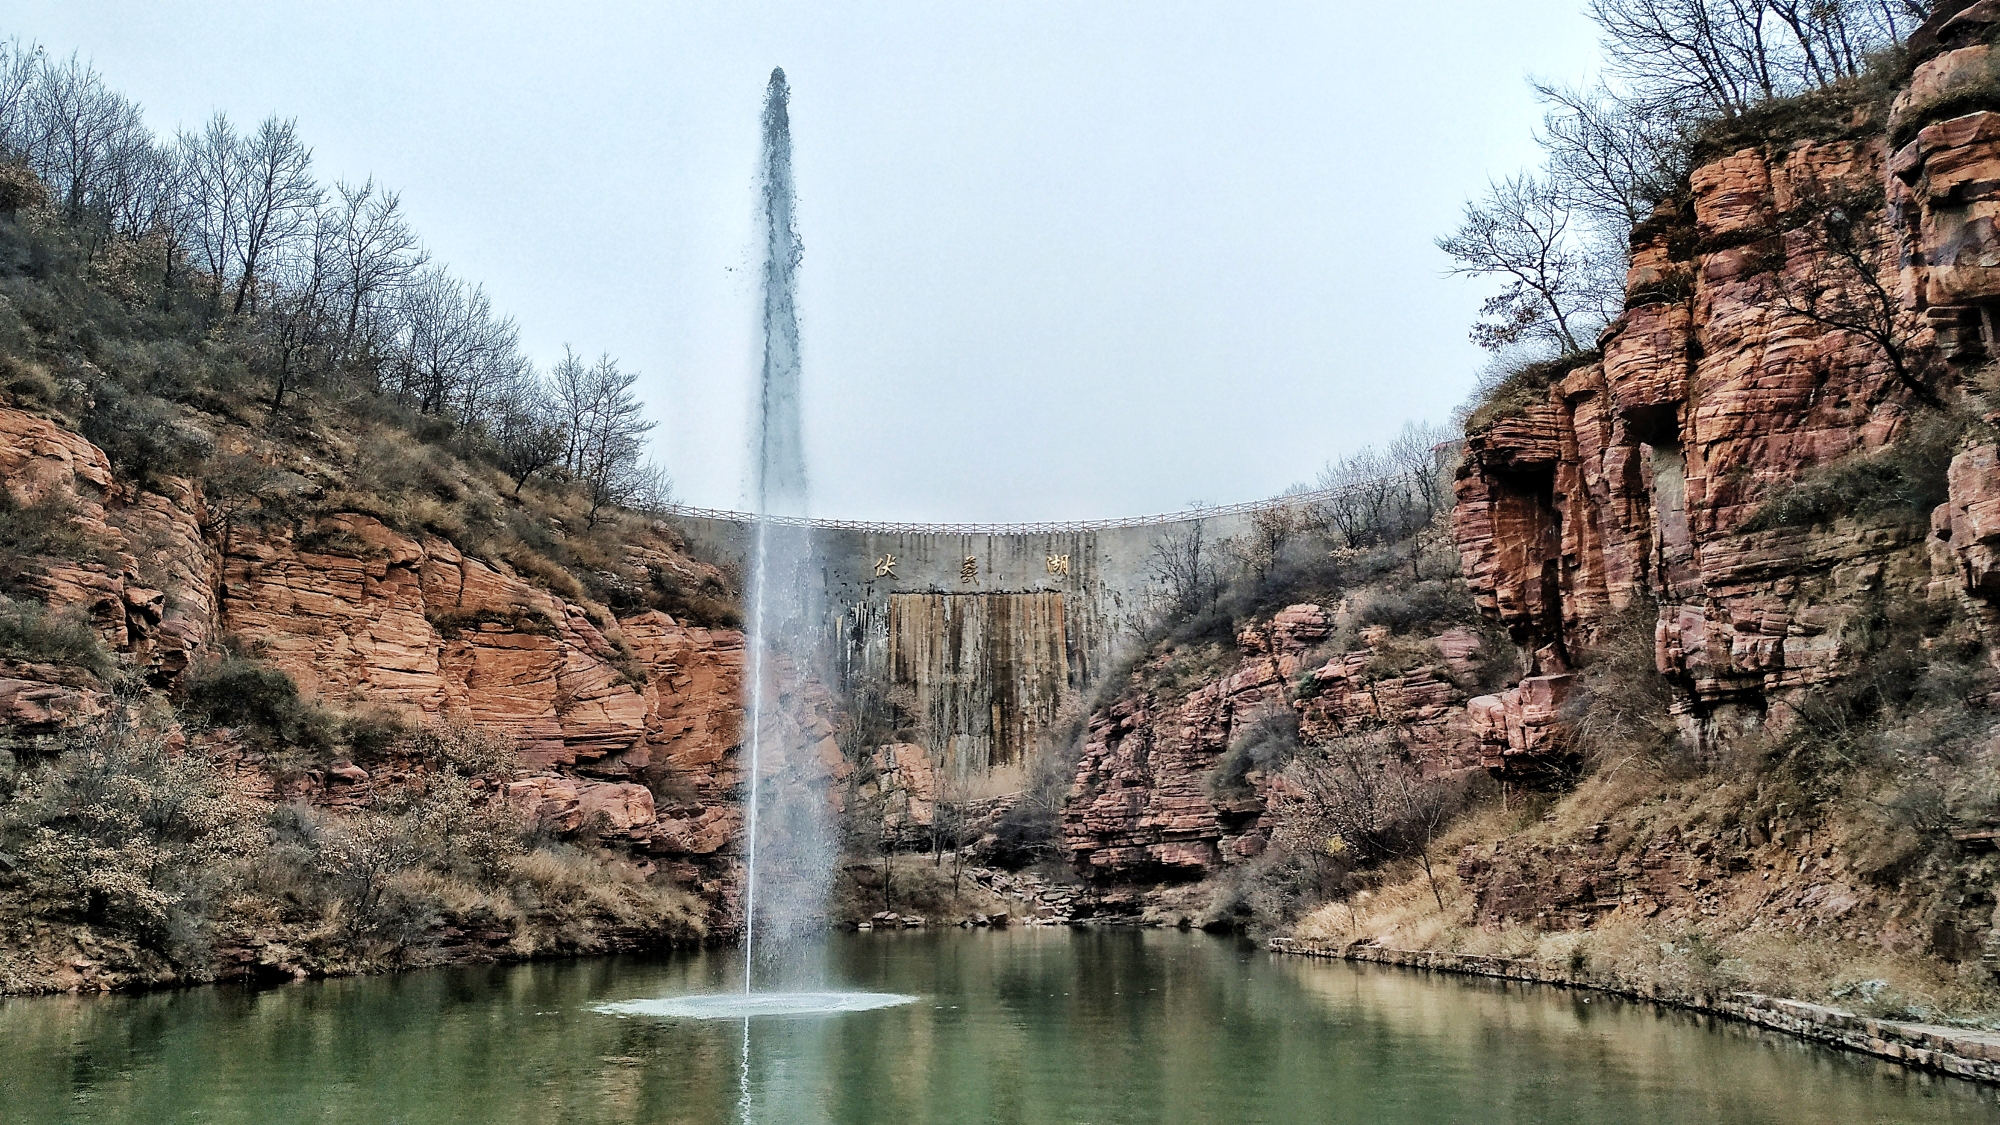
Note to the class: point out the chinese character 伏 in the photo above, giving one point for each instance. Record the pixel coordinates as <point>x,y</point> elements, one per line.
<point>885,567</point>
<point>1059,565</point>
<point>969,570</point>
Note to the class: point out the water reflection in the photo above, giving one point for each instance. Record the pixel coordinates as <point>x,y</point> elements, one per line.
<point>1022,1026</point>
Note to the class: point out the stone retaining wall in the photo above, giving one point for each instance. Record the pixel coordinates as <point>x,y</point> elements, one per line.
<point>1959,1052</point>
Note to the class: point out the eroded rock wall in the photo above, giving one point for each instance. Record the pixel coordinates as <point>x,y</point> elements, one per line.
<point>628,725</point>
<point>1148,805</point>
<point>1635,482</point>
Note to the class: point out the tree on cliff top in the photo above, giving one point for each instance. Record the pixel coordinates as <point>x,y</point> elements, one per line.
<point>1727,56</point>
<point>224,237</point>
<point>1560,290</point>
<point>1559,240</point>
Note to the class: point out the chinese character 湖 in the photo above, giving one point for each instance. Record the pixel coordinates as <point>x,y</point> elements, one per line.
<point>1059,565</point>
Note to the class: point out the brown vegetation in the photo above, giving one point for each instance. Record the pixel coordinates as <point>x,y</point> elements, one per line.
<point>127,843</point>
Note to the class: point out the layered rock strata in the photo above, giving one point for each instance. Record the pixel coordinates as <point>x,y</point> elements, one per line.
<point>1635,483</point>
<point>627,726</point>
<point>1147,804</point>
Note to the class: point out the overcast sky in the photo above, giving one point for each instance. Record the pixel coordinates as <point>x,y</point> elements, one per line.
<point>1063,260</point>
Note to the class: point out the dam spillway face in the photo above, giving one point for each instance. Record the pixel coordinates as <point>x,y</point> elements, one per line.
<point>988,630</point>
<point>988,671</point>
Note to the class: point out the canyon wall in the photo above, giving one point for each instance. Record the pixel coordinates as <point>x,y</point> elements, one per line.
<point>1636,482</point>
<point>630,724</point>
<point>1681,483</point>
<point>1148,803</point>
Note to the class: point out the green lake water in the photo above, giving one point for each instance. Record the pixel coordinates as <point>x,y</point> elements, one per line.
<point>1025,1025</point>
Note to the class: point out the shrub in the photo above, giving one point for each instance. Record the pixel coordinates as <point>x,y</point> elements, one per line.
<point>371,732</point>
<point>1852,107</point>
<point>465,749</point>
<point>1030,830</point>
<point>28,382</point>
<point>251,695</point>
<point>706,603</point>
<point>576,899</point>
<point>1509,389</point>
<point>1420,607</point>
<point>1619,710</point>
<point>1901,482</point>
<point>120,831</point>
<point>1265,746</point>
<point>1912,659</point>
<point>144,436</point>
<point>36,635</point>
<point>1972,89</point>
<point>46,528</point>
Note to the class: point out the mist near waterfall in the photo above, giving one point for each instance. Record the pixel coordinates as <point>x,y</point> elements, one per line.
<point>789,848</point>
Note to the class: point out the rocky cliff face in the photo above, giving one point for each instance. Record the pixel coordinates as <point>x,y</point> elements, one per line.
<point>1155,798</point>
<point>1637,480</point>
<point>141,545</point>
<point>1710,470</point>
<point>1743,471</point>
<point>626,725</point>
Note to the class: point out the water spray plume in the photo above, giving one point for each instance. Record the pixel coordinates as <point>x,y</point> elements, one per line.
<point>788,845</point>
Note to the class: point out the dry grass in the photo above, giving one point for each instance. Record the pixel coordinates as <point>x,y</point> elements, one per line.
<point>575,901</point>
<point>1740,943</point>
<point>918,886</point>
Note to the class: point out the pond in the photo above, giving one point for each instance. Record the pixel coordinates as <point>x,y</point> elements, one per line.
<point>1022,1025</point>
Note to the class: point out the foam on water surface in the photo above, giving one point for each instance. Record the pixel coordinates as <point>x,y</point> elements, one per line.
<point>739,1005</point>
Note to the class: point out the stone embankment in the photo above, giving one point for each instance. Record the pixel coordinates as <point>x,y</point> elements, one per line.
<point>1960,1052</point>
<point>1049,904</point>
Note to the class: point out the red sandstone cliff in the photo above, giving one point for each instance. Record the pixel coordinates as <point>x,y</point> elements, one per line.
<point>629,725</point>
<point>1659,482</point>
<point>1146,806</point>
<point>1637,479</point>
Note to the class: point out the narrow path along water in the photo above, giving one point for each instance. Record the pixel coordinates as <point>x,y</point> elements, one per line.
<point>1027,1026</point>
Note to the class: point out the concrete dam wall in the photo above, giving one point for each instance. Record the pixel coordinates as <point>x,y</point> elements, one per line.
<point>989,627</point>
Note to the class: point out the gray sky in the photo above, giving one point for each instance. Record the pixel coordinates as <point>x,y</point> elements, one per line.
<point>1063,260</point>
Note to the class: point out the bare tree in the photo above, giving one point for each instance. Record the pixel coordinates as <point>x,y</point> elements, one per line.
<point>280,199</point>
<point>609,438</point>
<point>300,313</point>
<point>1184,568</point>
<point>527,430</point>
<point>1365,799</point>
<point>1613,156</point>
<point>211,198</point>
<point>1381,497</point>
<point>377,253</point>
<point>146,205</point>
<point>497,366</point>
<point>1841,286</point>
<point>454,354</point>
<point>313,288</point>
<point>20,65</point>
<point>1558,291</point>
<point>77,132</point>
<point>1421,458</point>
<point>571,395</point>
<point>1271,530</point>
<point>1729,55</point>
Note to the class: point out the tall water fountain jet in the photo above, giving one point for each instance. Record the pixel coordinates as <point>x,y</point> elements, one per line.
<point>788,839</point>
<point>789,847</point>
<point>779,463</point>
